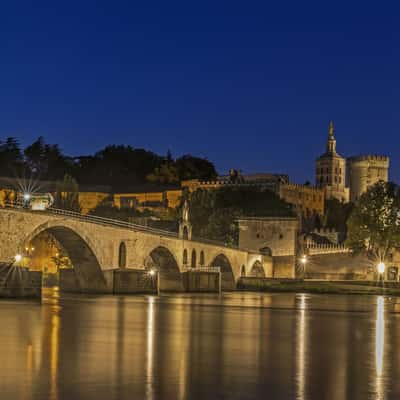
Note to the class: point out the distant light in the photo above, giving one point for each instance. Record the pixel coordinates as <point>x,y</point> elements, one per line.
<point>18,257</point>
<point>27,196</point>
<point>152,272</point>
<point>381,267</point>
<point>304,259</point>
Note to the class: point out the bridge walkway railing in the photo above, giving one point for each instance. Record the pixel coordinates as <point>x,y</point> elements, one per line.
<point>95,219</point>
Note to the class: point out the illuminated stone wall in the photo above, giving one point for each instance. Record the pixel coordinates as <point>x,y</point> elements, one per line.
<point>278,235</point>
<point>365,171</point>
<point>306,199</point>
<point>90,200</point>
<point>95,248</point>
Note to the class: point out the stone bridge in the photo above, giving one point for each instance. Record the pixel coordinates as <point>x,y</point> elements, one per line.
<point>97,246</point>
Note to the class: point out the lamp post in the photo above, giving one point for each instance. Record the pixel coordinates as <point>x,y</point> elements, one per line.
<point>381,271</point>
<point>304,260</point>
<point>155,273</point>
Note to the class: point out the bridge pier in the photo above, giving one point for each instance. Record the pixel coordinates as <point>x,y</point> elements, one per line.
<point>117,281</point>
<point>137,281</point>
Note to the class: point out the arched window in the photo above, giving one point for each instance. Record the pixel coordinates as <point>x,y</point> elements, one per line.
<point>122,255</point>
<point>202,258</point>
<point>185,257</point>
<point>193,262</point>
<point>185,233</point>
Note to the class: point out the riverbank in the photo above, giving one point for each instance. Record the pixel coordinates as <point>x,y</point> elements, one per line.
<point>320,287</point>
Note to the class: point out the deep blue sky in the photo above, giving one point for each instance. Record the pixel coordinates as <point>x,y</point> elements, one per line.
<point>250,85</point>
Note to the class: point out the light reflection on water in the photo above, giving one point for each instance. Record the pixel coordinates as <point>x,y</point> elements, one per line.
<point>380,347</point>
<point>241,345</point>
<point>301,346</point>
<point>150,349</point>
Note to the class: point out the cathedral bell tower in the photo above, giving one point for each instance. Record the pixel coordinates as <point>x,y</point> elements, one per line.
<point>331,170</point>
<point>331,144</point>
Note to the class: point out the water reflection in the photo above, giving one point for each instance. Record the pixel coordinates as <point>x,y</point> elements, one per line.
<point>380,347</point>
<point>150,349</point>
<point>301,349</point>
<point>239,346</point>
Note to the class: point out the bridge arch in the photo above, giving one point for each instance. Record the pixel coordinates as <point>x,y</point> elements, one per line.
<point>168,269</point>
<point>227,277</point>
<point>80,251</point>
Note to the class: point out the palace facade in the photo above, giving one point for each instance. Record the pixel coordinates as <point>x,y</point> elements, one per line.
<point>347,179</point>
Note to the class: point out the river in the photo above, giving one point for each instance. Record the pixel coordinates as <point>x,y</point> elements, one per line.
<point>235,346</point>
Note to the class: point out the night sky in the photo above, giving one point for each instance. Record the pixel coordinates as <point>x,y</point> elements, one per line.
<point>250,85</point>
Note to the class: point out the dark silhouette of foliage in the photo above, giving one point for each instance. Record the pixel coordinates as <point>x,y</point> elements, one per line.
<point>374,223</point>
<point>107,210</point>
<point>46,160</point>
<point>189,167</point>
<point>336,214</point>
<point>118,166</point>
<point>11,158</point>
<point>213,213</point>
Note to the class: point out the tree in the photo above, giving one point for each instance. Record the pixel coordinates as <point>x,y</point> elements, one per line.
<point>11,160</point>
<point>46,160</point>
<point>374,223</point>
<point>336,214</point>
<point>165,174</point>
<point>189,167</point>
<point>107,210</point>
<point>117,166</point>
<point>67,194</point>
<point>214,213</point>
<point>35,156</point>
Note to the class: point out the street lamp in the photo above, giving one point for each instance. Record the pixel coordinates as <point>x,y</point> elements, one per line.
<point>18,258</point>
<point>304,260</point>
<point>381,270</point>
<point>154,273</point>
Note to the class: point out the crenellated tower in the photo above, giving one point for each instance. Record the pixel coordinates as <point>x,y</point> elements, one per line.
<point>365,171</point>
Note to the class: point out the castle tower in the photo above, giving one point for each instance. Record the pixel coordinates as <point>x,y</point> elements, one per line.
<point>365,171</point>
<point>331,170</point>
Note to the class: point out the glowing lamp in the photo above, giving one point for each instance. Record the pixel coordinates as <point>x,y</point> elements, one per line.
<point>152,272</point>
<point>304,259</point>
<point>18,258</point>
<point>381,267</point>
<point>27,196</point>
